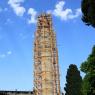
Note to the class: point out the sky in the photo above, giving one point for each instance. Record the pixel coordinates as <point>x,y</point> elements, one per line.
<point>17,27</point>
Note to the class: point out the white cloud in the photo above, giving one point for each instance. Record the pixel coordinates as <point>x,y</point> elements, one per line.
<point>65,13</point>
<point>9,52</point>
<point>3,55</point>
<point>33,13</point>
<point>77,14</point>
<point>17,8</point>
<point>59,11</point>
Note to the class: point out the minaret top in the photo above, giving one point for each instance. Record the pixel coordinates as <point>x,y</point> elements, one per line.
<point>45,15</point>
<point>45,20</point>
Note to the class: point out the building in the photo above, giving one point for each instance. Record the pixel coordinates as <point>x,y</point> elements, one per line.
<point>16,92</point>
<point>46,68</point>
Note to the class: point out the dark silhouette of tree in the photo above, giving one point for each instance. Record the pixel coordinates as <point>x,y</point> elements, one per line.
<point>74,81</point>
<point>88,11</point>
<point>88,67</point>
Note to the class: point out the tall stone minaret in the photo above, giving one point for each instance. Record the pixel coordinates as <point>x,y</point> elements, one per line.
<point>46,68</point>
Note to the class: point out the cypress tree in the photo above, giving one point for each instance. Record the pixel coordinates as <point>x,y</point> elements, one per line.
<point>73,81</point>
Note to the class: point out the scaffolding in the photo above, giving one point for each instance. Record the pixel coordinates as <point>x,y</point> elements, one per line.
<point>46,68</point>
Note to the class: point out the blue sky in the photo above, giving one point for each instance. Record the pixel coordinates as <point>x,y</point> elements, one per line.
<point>17,26</point>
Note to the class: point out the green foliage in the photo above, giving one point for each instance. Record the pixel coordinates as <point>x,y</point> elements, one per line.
<point>74,80</point>
<point>88,10</point>
<point>85,85</point>
<point>88,67</point>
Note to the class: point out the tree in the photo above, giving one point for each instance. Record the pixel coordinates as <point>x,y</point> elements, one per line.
<point>88,67</point>
<point>74,81</point>
<point>88,11</point>
<point>85,85</point>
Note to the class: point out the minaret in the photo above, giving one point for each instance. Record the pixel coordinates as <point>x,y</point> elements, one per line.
<point>46,68</point>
